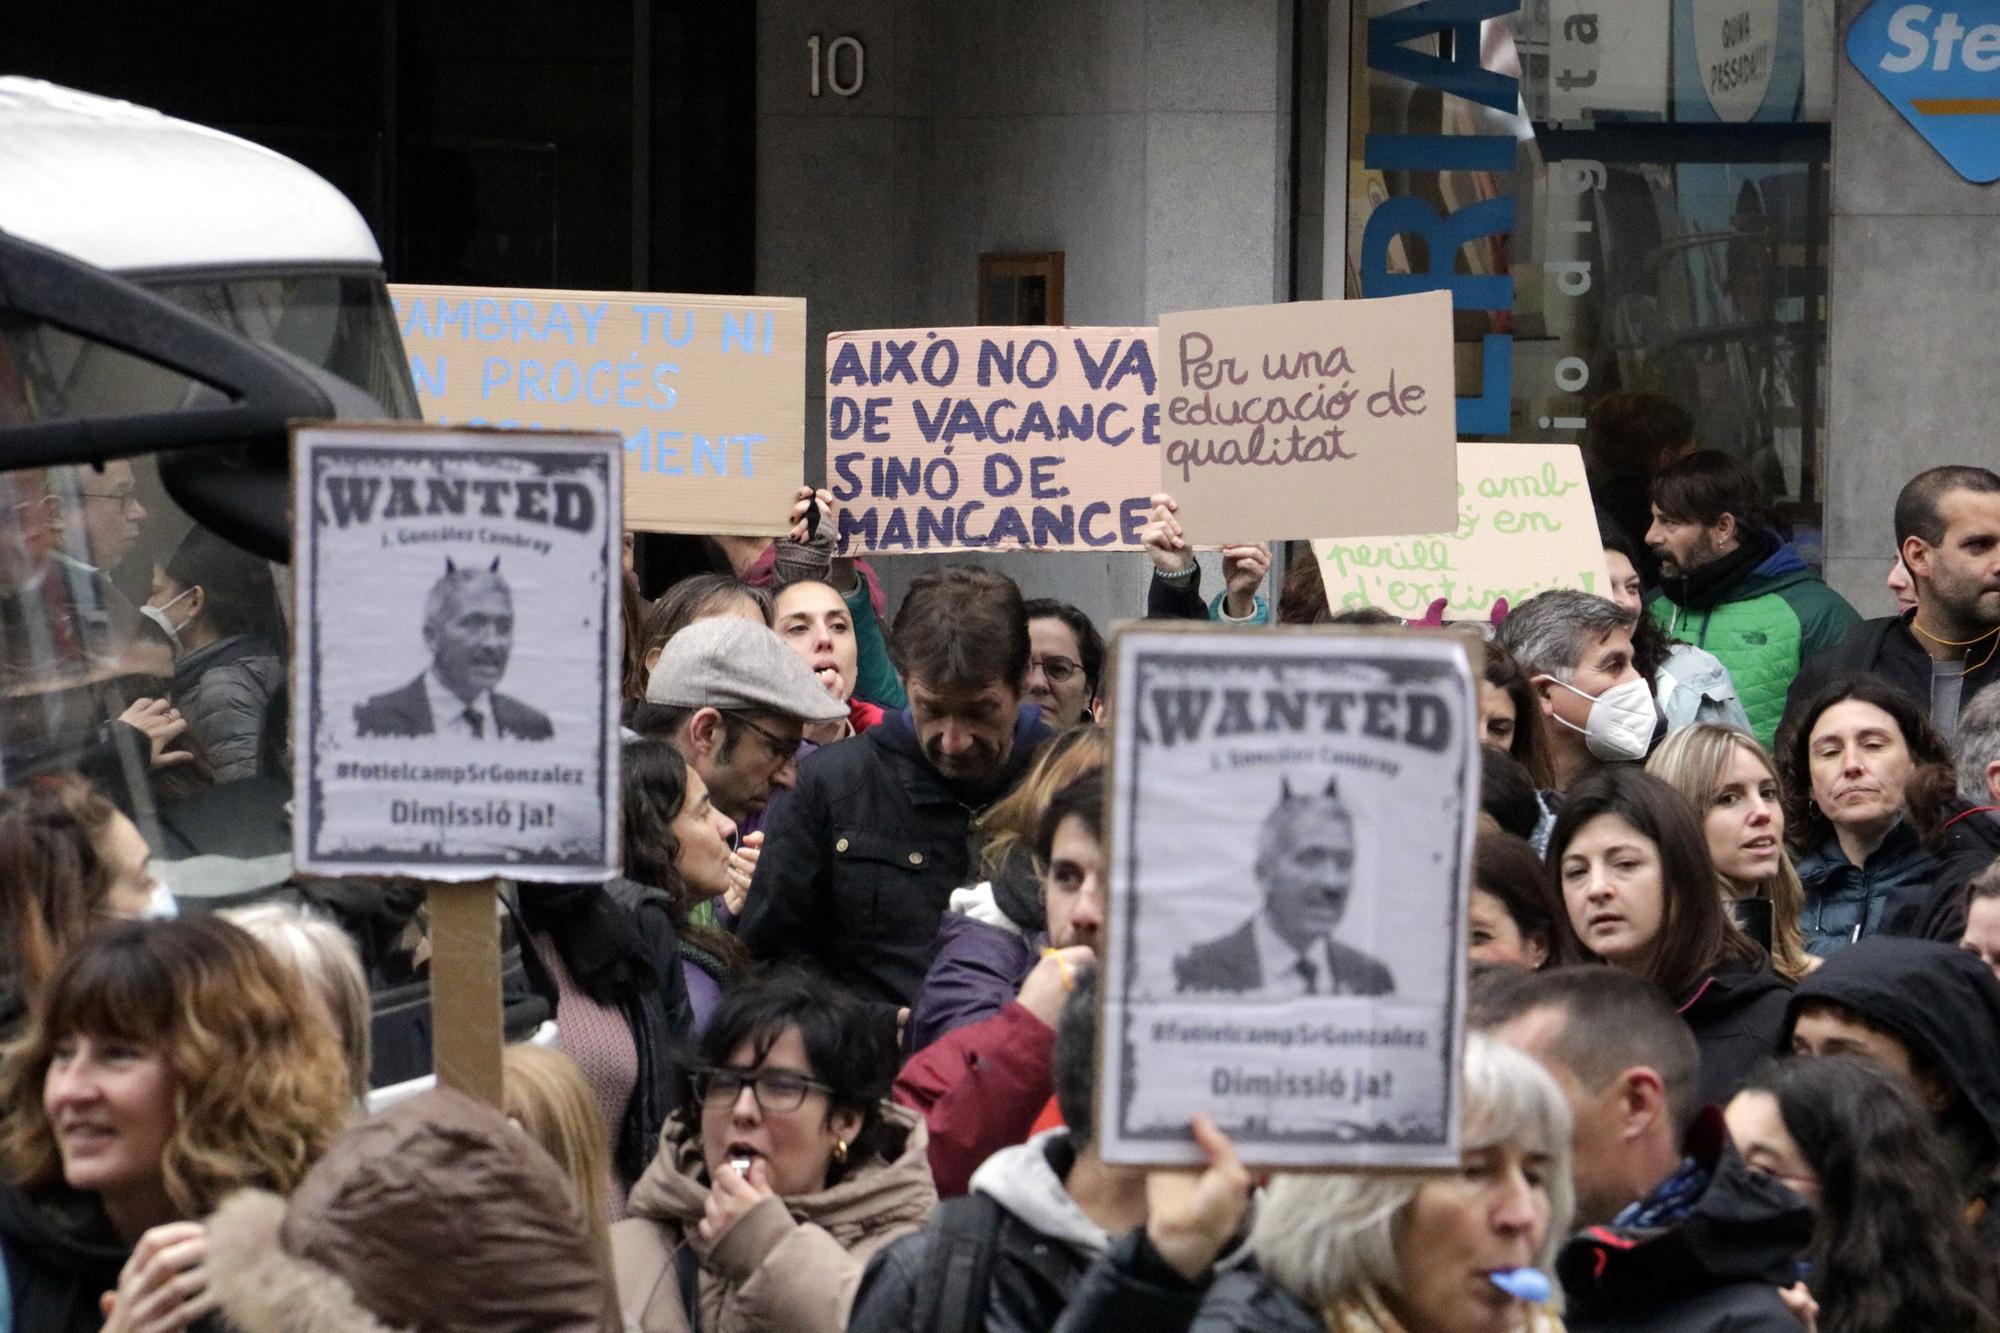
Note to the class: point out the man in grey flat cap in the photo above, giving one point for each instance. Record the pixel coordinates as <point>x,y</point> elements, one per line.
<point>734,698</point>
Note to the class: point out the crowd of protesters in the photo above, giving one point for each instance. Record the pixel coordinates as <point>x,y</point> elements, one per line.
<point>824,1057</point>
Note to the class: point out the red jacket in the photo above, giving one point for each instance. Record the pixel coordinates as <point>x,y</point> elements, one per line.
<point>980,1088</point>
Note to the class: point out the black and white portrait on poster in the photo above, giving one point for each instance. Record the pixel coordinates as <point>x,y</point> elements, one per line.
<point>1292,825</point>
<point>457,653</point>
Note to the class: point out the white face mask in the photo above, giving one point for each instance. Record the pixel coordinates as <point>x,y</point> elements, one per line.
<point>158,615</point>
<point>1621,721</point>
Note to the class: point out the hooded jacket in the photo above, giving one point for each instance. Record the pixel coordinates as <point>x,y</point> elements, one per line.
<point>1943,1004</point>
<point>61,1256</point>
<point>861,857</point>
<point>1736,1015</point>
<point>1971,844</point>
<point>786,1266</point>
<point>1041,1250</point>
<point>1716,1270</point>
<point>1761,612</point>
<point>437,1215</point>
<point>1846,902</point>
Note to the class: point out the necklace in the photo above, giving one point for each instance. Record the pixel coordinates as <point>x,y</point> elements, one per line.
<point>1963,643</point>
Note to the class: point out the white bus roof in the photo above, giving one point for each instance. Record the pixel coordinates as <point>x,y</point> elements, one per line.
<point>128,189</point>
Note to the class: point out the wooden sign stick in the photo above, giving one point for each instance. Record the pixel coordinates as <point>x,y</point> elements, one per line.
<point>466,1036</point>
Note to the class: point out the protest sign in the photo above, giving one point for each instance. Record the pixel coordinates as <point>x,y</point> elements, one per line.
<point>992,439</point>
<point>708,392</point>
<point>1309,419</point>
<point>457,650</point>
<point>1292,824</point>
<point>1525,525</point>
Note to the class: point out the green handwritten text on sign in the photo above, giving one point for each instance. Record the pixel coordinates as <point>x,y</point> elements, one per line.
<point>1525,525</point>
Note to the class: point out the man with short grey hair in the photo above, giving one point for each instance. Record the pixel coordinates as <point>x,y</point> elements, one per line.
<point>1577,652</point>
<point>734,699</point>
<point>1971,832</point>
<point>469,629</point>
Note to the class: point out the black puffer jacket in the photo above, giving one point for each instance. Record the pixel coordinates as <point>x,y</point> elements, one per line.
<point>1717,1270</point>
<point>224,690</point>
<point>1132,1290</point>
<point>61,1256</point>
<point>860,858</point>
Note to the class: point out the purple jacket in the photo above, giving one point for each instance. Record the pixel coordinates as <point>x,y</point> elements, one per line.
<point>977,968</point>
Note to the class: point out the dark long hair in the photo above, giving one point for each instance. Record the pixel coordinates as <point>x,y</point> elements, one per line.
<point>1696,934</point>
<point>655,786</point>
<point>1531,742</point>
<point>239,596</point>
<point>1926,796</point>
<point>1507,867</point>
<point>1650,644</point>
<point>1888,1250</point>
<point>845,1049</point>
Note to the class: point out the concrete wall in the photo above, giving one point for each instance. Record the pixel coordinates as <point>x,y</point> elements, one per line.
<point>1913,308</point>
<point>1146,139</point>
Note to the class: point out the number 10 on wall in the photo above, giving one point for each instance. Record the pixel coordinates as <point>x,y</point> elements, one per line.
<point>827,66</point>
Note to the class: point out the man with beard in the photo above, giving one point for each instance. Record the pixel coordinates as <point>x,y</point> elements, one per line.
<point>1305,865</point>
<point>1946,649</point>
<point>982,1084</point>
<point>469,629</point>
<point>1733,586</point>
<point>860,859</point>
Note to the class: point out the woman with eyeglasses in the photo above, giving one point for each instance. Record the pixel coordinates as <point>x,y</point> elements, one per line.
<point>784,1172</point>
<point>1889,1249</point>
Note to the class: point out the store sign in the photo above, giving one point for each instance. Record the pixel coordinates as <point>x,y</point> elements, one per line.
<point>1384,269</point>
<point>1939,66</point>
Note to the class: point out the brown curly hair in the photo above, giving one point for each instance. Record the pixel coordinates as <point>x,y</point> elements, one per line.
<point>59,883</point>
<point>260,1085</point>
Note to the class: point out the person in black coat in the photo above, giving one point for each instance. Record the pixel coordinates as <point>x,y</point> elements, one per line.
<point>860,858</point>
<point>614,945</point>
<point>1641,894</point>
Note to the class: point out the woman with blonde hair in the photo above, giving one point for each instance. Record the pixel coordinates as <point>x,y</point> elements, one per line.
<point>544,1092</point>
<point>986,942</point>
<point>1732,784</point>
<point>168,1064</point>
<point>325,958</point>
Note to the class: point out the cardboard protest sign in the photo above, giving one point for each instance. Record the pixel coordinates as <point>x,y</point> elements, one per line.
<point>1525,524</point>
<point>708,392</point>
<point>457,652</point>
<point>1313,418</point>
<point>991,438</point>
<point>1291,840</point>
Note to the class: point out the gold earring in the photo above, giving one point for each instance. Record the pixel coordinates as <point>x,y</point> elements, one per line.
<point>840,1152</point>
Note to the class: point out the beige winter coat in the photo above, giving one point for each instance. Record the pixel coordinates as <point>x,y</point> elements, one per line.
<point>787,1265</point>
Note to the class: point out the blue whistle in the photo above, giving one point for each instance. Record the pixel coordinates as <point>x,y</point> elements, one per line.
<point>1523,1284</point>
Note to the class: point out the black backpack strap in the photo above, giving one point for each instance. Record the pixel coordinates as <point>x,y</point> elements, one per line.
<point>687,1272</point>
<point>958,1270</point>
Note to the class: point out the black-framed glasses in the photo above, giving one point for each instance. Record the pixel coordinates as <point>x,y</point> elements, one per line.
<point>1057,669</point>
<point>776,1090</point>
<point>124,499</point>
<point>784,751</point>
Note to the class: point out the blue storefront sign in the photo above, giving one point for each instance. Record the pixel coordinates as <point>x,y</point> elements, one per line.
<point>1939,65</point>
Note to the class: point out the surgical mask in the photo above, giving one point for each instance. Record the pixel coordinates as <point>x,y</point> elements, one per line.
<point>158,615</point>
<point>1621,721</point>
<point>160,904</point>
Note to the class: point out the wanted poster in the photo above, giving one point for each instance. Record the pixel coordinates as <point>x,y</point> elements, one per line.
<point>1291,837</point>
<point>457,652</point>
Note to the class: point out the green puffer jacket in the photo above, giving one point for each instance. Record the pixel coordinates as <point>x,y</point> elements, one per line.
<point>1762,613</point>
